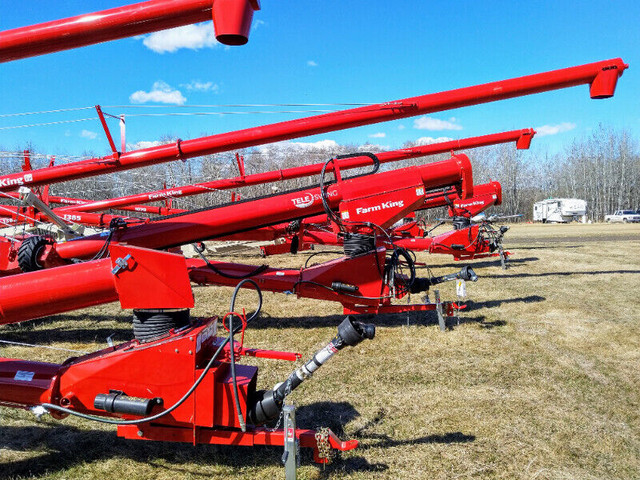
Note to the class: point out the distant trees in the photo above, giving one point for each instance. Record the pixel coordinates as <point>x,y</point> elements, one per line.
<point>603,169</point>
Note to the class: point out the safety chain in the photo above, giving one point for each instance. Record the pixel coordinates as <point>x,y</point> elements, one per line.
<point>287,391</point>
<point>322,441</point>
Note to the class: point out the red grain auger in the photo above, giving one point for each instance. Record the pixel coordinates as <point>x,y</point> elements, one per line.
<point>195,391</point>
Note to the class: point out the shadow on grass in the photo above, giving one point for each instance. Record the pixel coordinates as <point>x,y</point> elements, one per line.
<point>58,447</point>
<point>380,320</point>
<point>337,415</point>
<point>480,320</point>
<point>546,247</point>
<point>471,305</point>
<point>563,274</point>
<point>32,331</point>
<point>493,262</point>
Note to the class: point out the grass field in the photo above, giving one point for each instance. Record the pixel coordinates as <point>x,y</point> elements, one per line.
<point>540,380</point>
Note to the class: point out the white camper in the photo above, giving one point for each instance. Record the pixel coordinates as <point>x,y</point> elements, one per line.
<point>560,210</point>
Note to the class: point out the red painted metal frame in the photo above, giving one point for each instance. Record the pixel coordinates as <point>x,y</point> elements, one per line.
<point>231,18</point>
<point>21,215</point>
<point>601,76</point>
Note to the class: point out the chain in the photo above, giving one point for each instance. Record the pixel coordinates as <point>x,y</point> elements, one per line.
<point>322,441</point>
<point>287,391</point>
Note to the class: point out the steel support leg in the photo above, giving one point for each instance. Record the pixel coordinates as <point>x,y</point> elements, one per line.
<point>439,311</point>
<point>290,458</point>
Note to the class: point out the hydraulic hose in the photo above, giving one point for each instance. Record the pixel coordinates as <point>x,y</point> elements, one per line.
<point>232,359</point>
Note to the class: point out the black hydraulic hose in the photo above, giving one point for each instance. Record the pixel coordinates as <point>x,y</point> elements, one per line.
<point>253,273</point>
<point>232,360</point>
<point>323,193</point>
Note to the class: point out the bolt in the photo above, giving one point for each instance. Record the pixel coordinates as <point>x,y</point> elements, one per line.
<point>189,352</point>
<point>177,351</point>
<point>140,434</point>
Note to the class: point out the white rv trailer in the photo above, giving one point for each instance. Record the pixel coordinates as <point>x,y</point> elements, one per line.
<point>560,210</point>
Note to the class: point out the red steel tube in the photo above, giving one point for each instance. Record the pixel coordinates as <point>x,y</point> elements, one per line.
<point>250,214</point>
<point>38,294</point>
<point>122,22</point>
<point>439,200</point>
<point>76,202</point>
<point>602,76</point>
<point>20,216</point>
<point>522,137</point>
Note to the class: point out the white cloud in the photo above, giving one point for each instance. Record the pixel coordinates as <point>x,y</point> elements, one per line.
<point>321,144</point>
<point>401,127</point>
<point>371,147</point>
<point>257,24</point>
<point>194,37</point>
<point>88,134</point>
<point>311,63</point>
<point>303,146</point>
<point>161,92</point>
<point>198,86</point>
<point>430,140</point>
<point>145,144</point>
<point>430,123</point>
<point>554,129</point>
<point>378,135</point>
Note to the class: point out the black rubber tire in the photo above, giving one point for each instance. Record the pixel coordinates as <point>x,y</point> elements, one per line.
<point>29,251</point>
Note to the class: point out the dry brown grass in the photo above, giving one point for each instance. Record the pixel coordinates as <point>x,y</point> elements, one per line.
<point>540,380</point>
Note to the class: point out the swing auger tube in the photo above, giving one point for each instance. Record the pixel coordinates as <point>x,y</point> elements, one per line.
<point>601,76</point>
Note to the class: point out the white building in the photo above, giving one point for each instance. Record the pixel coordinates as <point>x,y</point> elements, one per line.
<point>560,210</point>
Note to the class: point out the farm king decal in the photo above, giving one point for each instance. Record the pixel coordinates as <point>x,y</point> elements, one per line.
<point>391,204</point>
<point>7,182</point>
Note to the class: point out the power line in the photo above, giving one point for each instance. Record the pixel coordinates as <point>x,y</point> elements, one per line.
<point>59,110</point>
<point>48,123</point>
<point>172,114</point>
<point>243,105</point>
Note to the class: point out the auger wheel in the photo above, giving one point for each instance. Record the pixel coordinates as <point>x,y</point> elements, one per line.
<point>29,251</point>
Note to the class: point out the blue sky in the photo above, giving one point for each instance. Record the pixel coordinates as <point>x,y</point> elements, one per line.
<point>326,52</point>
